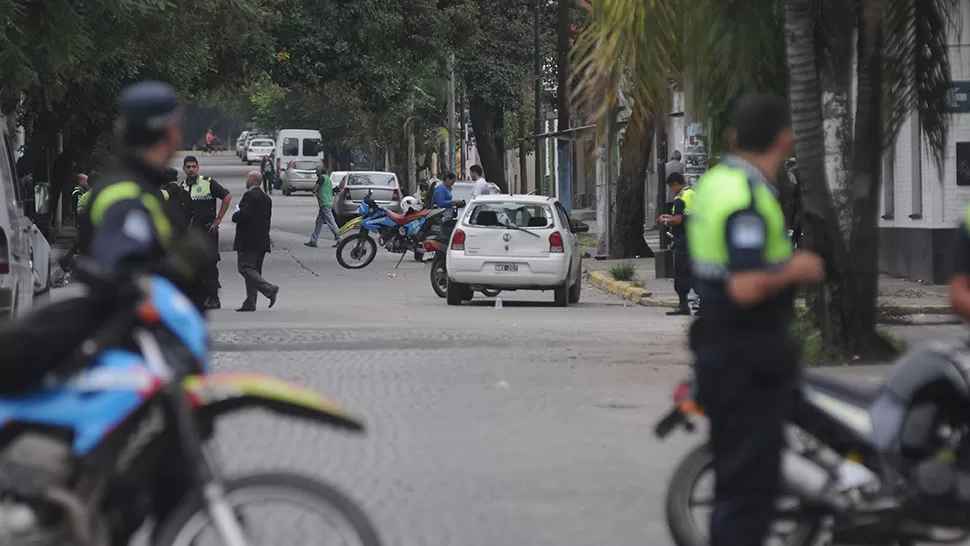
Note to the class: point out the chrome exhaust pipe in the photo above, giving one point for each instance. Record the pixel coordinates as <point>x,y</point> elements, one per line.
<point>809,481</point>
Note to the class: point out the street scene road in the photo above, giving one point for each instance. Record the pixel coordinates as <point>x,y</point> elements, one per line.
<point>523,425</point>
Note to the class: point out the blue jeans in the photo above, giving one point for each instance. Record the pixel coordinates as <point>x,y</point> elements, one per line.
<point>325,215</point>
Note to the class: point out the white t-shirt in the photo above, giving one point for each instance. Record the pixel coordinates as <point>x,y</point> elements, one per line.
<point>480,188</point>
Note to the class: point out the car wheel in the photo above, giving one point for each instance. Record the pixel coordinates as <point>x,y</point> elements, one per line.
<point>287,191</point>
<point>455,293</point>
<point>575,291</point>
<point>561,294</point>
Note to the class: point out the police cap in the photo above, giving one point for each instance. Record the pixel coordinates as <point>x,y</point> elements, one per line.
<point>172,174</point>
<point>148,106</point>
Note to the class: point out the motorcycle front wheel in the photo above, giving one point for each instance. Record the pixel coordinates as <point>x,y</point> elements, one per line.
<point>190,521</point>
<point>792,527</point>
<point>439,277</point>
<point>356,251</point>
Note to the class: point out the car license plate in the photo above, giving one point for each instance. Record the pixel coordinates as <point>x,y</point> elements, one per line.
<point>507,268</point>
<point>427,256</point>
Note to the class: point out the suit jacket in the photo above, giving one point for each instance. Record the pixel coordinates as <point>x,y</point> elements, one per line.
<point>252,222</point>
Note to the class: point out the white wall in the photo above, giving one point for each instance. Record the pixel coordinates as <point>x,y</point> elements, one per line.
<point>942,201</point>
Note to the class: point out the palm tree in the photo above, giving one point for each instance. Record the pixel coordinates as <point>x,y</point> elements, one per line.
<point>727,47</point>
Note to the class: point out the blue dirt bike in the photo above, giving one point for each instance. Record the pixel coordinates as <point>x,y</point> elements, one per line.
<point>397,233</point>
<point>82,452</point>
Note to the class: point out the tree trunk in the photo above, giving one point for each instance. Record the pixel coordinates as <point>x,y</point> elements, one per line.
<point>627,240</point>
<point>840,302</point>
<point>488,120</point>
<point>412,162</point>
<point>523,156</point>
<point>564,35</point>
<point>837,117</point>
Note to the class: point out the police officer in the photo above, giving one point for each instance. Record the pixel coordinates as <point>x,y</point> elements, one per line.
<point>746,360</point>
<point>80,189</point>
<point>133,230</point>
<point>203,191</point>
<point>677,222</point>
<point>960,283</point>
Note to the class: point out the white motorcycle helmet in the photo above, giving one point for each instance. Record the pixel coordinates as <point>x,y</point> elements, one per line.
<point>410,205</point>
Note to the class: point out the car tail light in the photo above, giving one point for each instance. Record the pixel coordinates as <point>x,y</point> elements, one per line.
<point>555,243</point>
<point>396,196</point>
<point>4,253</point>
<point>430,246</point>
<point>277,163</point>
<point>347,193</point>
<point>458,241</point>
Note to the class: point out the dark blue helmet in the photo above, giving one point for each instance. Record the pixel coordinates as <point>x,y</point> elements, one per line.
<point>148,106</point>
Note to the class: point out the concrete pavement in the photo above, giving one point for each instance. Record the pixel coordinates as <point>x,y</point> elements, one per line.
<point>526,425</point>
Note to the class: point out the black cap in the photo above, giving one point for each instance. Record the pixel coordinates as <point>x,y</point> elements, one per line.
<point>172,174</point>
<point>149,106</point>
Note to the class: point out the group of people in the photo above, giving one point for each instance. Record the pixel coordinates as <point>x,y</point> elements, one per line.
<point>130,217</point>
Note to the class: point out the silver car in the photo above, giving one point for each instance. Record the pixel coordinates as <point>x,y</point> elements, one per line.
<point>301,175</point>
<point>354,187</point>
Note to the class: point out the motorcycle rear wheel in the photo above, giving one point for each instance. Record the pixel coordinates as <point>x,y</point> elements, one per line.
<point>683,525</point>
<point>367,247</point>
<point>439,277</point>
<point>188,521</point>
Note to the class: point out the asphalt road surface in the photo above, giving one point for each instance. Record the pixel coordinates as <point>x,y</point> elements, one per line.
<point>526,425</point>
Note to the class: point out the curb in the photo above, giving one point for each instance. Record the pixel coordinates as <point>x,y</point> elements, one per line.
<point>642,296</point>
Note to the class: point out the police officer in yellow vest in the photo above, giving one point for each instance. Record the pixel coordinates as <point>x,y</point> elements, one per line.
<point>677,220</point>
<point>746,360</point>
<point>203,191</point>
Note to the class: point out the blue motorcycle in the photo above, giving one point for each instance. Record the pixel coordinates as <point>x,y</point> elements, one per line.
<point>82,449</point>
<point>397,233</point>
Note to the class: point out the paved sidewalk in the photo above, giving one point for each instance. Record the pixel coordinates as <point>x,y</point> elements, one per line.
<point>896,296</point>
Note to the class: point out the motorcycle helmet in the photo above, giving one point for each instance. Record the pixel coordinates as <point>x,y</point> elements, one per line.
<point>410,205</point>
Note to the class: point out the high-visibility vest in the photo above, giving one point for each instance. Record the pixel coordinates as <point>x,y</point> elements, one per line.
<point>721,192</point>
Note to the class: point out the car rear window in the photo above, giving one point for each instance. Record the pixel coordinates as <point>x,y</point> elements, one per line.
<point>262,143</point>
<point>291,146</point>
<point>305,165</point>
<point>523,215</point>
<point>357,179</point>
<point>311,146</point>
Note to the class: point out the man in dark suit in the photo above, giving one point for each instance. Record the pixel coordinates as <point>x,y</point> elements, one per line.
<point>252,221</point>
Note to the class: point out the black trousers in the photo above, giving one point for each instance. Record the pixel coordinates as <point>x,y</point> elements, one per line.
<point>747,388</point>
<point>250,266</point>
<point>682,271</point>
<point>267,183</point>
<point>211,275</point>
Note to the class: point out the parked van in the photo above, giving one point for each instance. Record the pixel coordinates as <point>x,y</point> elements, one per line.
<point>297,145</point>
<point>24,251</point>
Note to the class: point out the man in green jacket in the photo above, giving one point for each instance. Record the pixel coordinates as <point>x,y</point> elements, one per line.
<point>324,192</point>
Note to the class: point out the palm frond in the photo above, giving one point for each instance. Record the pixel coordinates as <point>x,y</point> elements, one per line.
<point>629,45</point>
<point>917,68</point>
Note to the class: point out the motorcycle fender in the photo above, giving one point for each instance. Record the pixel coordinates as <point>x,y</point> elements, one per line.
<point>351,224</point>
<point>215,394</point>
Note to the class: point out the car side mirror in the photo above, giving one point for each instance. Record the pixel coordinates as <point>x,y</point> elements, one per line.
<point>578,227</point>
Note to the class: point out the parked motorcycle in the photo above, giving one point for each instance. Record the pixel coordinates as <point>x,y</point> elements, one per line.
<point>436,246</point>
<point>397,233</point>
<point>82,449</point>
<point>887,464</point>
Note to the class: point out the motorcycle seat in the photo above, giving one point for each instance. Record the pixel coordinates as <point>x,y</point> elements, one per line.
<point>856,390</point>
<point>401,219</point>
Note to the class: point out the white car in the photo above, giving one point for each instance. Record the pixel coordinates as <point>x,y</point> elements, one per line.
<point>258,149</point>
<point>515,242</point>
<point>241,144</point>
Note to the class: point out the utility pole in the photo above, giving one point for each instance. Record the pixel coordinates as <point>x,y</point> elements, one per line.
<point>450,155</point>
<point>540,181</point>
<point>463,129</point>
<point>412,179</point>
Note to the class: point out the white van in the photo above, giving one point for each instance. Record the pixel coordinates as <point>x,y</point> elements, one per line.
<point>24,252</point>
<point>297,144</point>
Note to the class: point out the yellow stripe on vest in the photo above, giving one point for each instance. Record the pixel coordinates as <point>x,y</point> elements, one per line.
<point>123,191</point>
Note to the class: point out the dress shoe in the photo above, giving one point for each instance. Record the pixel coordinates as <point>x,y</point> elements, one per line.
<point>245,309</point>
<point>272,296</point>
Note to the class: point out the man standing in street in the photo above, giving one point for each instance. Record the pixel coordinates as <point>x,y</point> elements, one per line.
<point>203,191</point>
<point>323,190</point>
<point>252,241</point>
<point>481,185</point>
<point>746,359</point>
<point>675,165</point>
<point>268,174</point>
<point>677,222</point>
